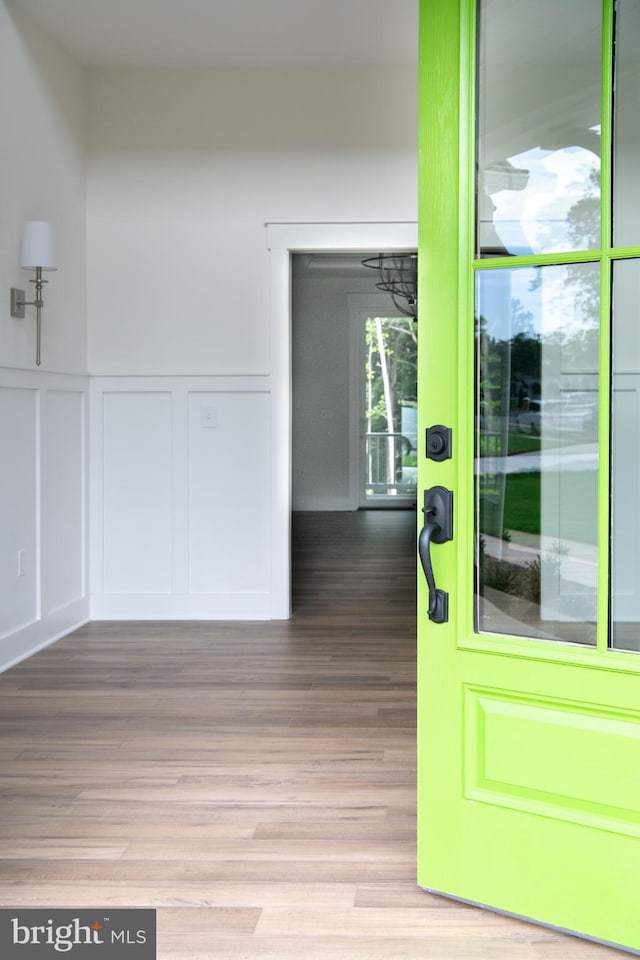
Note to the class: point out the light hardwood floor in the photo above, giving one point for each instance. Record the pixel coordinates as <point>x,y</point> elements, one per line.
<point>255,782</point>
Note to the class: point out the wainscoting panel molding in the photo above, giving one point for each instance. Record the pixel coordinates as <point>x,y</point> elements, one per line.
<point>137,454</point>
<point>43,501</point>
<point>180,498</point>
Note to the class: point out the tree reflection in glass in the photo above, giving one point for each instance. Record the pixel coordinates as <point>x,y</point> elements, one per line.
<point>538,126</point>
<point>536,451</point>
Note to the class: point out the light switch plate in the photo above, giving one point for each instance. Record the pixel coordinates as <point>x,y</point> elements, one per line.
<point>17,303</point>
<point>208,417</point>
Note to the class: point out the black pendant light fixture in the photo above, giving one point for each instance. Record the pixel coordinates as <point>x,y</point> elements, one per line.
<point>398,274</point>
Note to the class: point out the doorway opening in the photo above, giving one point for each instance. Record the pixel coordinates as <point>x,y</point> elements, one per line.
<point>354,384</point>
<point>390,375</point>
<point>353,411</point>
<point>284,240</point>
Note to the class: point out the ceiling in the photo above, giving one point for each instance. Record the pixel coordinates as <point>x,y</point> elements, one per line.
<point>148,33</point>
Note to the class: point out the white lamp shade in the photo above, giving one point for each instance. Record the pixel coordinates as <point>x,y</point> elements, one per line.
<point>38,248</point>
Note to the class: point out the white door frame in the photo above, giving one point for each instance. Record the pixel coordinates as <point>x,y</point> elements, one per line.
<point>283,239</point>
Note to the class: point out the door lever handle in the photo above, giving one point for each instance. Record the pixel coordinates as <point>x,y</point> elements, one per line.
<point>438,528</point>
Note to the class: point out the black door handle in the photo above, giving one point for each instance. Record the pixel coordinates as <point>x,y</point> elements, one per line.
<point>438,528</point>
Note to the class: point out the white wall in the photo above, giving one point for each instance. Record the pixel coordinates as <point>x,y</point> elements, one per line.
<point>42,177</point>
<point>43,589</point>
<point>322,394</point>
<point>327,398</point>
<point>185,167</point>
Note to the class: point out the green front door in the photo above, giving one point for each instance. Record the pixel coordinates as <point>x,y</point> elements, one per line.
<point>529,667</point>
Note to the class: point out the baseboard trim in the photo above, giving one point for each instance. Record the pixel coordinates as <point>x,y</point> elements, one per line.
<point>249,606</point>
<point>36,636</point>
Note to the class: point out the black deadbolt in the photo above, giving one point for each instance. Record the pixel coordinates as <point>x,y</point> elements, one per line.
<point>438,442</point>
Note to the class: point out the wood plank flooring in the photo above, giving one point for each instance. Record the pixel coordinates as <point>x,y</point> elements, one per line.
<point>255,782</point>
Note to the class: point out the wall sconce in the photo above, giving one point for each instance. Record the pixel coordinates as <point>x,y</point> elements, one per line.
<point>37,252</point>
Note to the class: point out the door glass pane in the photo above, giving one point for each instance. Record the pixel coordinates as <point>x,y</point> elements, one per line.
<point>536,451</point>
<point>538,177</point>
<point>625,467</point>
<point>626,144</point>
<point>390,416</point>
